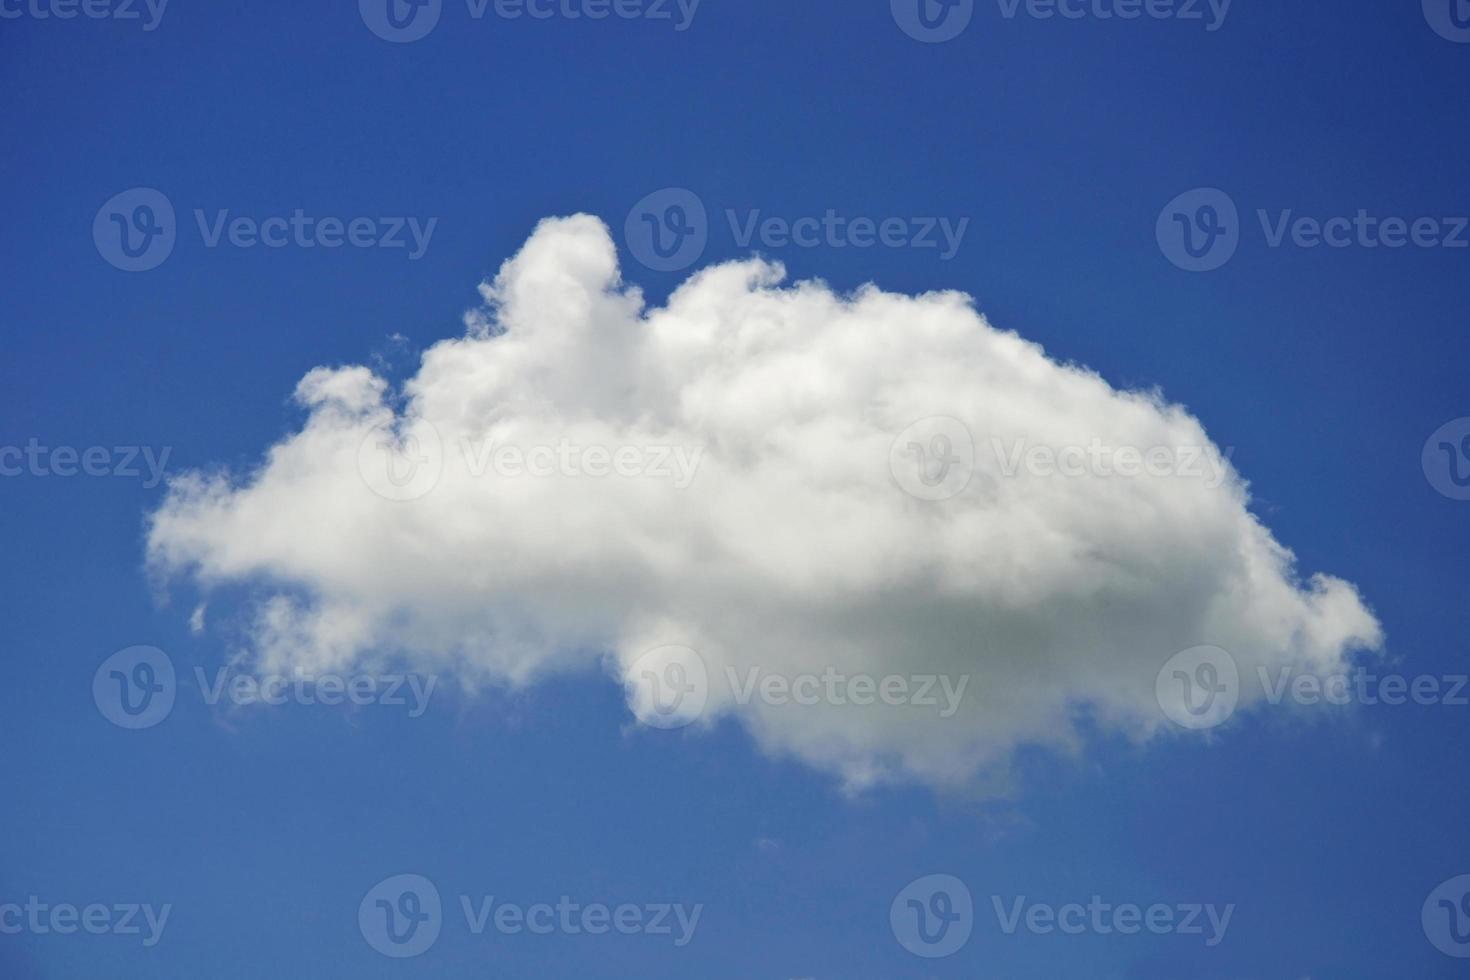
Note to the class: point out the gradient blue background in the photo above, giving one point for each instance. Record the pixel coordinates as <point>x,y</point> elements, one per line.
<point>1326,369</point>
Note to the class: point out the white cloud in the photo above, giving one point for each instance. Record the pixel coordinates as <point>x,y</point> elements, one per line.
<point>795,549</point>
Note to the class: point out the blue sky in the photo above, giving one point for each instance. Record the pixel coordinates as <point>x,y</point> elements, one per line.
<point>1059,141</point>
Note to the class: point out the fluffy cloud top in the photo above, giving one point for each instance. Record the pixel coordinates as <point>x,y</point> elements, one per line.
<point>753,507</point>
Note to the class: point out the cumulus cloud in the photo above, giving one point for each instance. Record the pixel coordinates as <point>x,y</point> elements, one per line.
<point>581,479</point>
